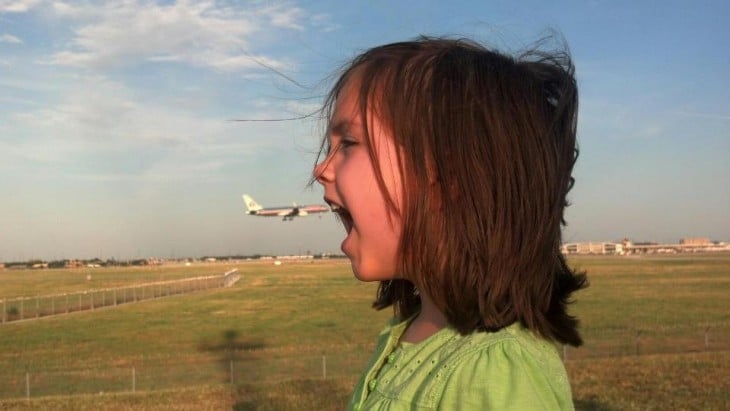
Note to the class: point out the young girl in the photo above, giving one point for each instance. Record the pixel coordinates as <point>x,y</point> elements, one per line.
<point>449,165</point>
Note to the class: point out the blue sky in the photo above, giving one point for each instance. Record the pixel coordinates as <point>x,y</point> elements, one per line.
<point>115,137</point>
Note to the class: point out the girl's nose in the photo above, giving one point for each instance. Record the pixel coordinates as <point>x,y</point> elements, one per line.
<point>323,171</point>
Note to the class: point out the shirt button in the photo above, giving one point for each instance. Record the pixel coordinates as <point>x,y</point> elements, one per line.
<point>391,357</point>
<point>372,384</point>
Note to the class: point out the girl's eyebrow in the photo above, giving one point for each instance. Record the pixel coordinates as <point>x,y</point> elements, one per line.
<point>340,127</point>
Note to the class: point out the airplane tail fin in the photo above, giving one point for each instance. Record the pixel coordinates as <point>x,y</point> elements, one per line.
<point>251,204</point>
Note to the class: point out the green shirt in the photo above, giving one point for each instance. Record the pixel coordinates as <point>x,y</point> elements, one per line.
<point>512,369</point>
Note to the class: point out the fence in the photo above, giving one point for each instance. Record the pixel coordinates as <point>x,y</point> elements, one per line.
<point>164,373</point>
<point>253,366</point>
<point>26,308</point>
<point>648,340</point>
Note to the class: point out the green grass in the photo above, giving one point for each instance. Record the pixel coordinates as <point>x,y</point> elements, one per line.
<point>278,323</point>
<point>28,283</point>
<point>665,302</point>
<point>689,381</point>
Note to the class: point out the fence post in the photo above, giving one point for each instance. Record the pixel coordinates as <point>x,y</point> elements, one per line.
<point>231,371</point>
<point>324,367</point>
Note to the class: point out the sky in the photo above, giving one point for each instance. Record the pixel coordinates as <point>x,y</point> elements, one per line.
<point>116,139</point>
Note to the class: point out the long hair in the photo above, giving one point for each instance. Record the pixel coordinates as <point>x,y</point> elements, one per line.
<point>488,144</point>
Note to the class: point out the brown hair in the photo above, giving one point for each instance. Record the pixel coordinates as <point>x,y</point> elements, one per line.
<point>488,146</point>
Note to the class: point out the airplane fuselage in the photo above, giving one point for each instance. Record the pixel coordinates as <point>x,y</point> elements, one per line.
<point>287,213</point>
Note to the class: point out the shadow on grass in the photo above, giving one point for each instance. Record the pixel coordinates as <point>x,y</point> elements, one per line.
<point>236,356</point>
<point>591,404</point>
<point>299,395</point>
<point>252,392</point>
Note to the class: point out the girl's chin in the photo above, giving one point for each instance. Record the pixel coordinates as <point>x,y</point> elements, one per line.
<point>369,274</point>
<point>358,272</point>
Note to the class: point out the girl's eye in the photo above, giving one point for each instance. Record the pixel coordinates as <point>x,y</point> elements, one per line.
<point>343,144</point>
<point>346,143</point>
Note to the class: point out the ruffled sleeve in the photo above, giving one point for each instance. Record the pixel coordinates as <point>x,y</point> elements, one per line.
<point>507,375</point>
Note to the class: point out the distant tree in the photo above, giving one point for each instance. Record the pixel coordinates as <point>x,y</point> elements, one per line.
<point>57,264</point>
<point>12,313</point>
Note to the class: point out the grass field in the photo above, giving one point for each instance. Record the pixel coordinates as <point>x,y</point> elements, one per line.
<point>265,343</point>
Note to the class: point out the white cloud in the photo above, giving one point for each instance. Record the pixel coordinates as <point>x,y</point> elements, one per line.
<point>100,127</point>
<point>323,22</point>
<point>73,11</point>
<point>204,34</point>
<point>242,62</point>
<point>97,109</point>
<point>17,6</point>
<point>9,38</point>
<point>285,16</point>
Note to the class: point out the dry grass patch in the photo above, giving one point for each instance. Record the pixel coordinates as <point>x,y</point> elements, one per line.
<point>695,381</point>
<point>186,399</point>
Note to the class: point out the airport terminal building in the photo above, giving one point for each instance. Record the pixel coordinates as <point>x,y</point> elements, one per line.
<point>592,248</point>
<point>685,245</point>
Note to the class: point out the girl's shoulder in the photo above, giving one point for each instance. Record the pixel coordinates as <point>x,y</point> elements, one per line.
<point>481,353</point>
<point>513,341</point>
<point>453,371</point>
<point>447,345</point>
<point>509,369</point>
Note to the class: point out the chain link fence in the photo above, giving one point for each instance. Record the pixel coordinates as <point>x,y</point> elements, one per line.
<point>245,366</point>
<point>29,308</point>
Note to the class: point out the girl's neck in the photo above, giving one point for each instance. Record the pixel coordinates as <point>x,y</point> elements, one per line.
<point>428,321</point>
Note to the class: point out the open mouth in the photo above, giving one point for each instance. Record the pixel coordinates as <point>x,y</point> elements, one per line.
<point>342,214</point>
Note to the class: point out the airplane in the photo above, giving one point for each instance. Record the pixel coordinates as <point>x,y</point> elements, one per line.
<point>254,208</point>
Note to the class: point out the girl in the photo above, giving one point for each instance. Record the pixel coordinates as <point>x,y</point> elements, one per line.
<point>449,165</point>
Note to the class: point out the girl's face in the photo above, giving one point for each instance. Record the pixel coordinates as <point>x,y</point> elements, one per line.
<point>351,188</point>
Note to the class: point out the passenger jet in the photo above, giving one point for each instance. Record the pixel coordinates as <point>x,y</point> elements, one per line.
<point>288,213</point>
